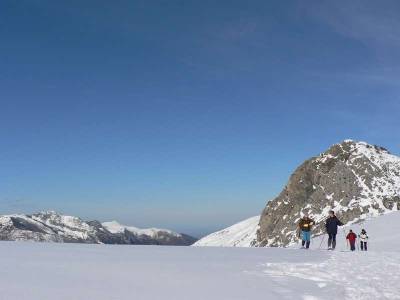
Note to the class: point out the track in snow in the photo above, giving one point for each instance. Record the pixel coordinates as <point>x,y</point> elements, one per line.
<point>103,272</point>
<point>359,275</point>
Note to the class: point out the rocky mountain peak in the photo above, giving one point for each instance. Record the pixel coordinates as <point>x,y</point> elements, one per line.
<point>353,178</point>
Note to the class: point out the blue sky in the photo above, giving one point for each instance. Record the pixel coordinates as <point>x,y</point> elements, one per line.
<point>185,114</point>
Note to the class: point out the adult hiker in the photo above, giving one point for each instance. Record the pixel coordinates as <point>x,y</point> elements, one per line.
<point>352,240</point>
<point>363,240</point>
<point>305,225</point>
<point>331,225</point>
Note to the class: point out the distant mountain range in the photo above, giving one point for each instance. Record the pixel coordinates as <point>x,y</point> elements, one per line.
<point>355,179</point>
<point>53,227</point>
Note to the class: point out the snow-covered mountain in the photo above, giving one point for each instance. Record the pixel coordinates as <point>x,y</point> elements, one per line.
<point>242,234</point>
<point>162,236</point>
<point>355,179</point>
<point>52,227</point>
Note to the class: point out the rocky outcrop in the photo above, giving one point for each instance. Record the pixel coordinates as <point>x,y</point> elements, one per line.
<point>53,227</point>
<point>354,179</point>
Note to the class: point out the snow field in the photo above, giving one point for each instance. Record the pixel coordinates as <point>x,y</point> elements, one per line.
<point>49,271</point>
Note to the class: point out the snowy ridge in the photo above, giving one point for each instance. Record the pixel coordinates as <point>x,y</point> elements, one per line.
<point>50,226</point>
<point>115,227</point>
<point>63,225</point>
<point>384,184</point>
<point>242,234</point>
<point>44,226</point>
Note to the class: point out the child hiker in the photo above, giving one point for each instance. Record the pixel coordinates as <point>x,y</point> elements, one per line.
<point>363,240</point>
<point>352,240</point>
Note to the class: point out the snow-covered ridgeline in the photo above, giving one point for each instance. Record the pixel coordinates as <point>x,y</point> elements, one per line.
<point>52,227</point>
<point>242,234</point>
<point>115,227</point>
<point>379,179</point>
<point>44,226</point>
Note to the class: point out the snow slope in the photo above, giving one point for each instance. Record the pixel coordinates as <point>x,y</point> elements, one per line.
<point>242,234</point>
<point>102,272</point>
<point>383,232</point>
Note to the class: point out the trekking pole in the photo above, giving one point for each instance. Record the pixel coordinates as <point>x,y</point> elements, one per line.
<point>323,238</point>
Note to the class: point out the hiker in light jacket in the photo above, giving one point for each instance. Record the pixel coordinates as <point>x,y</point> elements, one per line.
<point>363,240</point>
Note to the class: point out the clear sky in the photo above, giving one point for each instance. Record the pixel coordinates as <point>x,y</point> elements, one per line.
<point>188,115</point>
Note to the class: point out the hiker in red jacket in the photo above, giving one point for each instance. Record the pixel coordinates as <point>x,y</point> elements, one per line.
<point>352,240</point>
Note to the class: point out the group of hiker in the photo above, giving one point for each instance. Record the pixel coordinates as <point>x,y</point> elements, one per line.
<point>351,237</point>
<point>331,225</point>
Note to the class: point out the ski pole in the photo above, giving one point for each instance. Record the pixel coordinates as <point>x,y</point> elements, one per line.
<point>323,238</point>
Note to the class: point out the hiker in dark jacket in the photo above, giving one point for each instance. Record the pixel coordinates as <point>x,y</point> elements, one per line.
<point>331,225</point>
<point>352,240</point>
<point>305,225</point>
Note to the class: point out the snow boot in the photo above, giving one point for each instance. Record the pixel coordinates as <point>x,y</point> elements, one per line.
<point>333,245</point>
